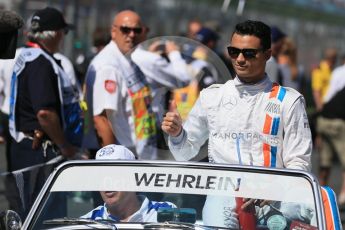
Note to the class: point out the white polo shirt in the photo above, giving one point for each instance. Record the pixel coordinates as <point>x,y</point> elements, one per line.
<point>106,90</point>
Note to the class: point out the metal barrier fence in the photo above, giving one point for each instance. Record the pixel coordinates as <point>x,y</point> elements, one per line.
<point>306,24</point>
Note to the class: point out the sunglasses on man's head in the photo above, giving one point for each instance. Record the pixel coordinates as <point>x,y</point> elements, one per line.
<point>127,30</point>
<point>247,53</point>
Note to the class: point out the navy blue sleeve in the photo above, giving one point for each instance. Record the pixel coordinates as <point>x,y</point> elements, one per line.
<point>43,85</point>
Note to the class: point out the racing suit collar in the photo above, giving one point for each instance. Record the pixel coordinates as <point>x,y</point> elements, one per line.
<point>252,88</point>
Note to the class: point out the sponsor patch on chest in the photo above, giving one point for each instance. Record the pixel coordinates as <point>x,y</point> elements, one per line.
<point>273,107</point>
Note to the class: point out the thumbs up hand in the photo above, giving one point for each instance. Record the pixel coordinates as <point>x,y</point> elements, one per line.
<point>173,106</point>
<point>172,122</point>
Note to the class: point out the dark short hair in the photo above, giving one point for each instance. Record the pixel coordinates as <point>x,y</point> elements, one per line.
<point>257,29</point>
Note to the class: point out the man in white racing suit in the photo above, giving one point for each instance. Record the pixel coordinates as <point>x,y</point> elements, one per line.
<point>249,120</point>
<point>122,206</point>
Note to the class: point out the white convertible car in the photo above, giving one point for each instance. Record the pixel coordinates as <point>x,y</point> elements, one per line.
<point>179,195</point>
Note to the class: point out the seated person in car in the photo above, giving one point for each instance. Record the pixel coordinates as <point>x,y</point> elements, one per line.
<point>124,206</point>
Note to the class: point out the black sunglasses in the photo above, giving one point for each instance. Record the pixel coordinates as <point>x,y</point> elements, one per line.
<point>127,30</point>
<point>247,53</point>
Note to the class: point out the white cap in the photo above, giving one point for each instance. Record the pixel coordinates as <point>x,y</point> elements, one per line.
<point>114,152</point>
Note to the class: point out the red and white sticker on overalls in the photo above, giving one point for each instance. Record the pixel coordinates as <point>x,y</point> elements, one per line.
<point>110,86</point>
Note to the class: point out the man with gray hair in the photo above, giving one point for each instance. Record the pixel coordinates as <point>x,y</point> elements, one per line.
<point>45,117</point>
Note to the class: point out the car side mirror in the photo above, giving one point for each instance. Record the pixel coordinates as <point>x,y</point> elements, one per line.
<point>185,215</point>
<point>10,220</point>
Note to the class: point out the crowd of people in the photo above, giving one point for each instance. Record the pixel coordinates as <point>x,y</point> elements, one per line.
<point>167,97</point>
